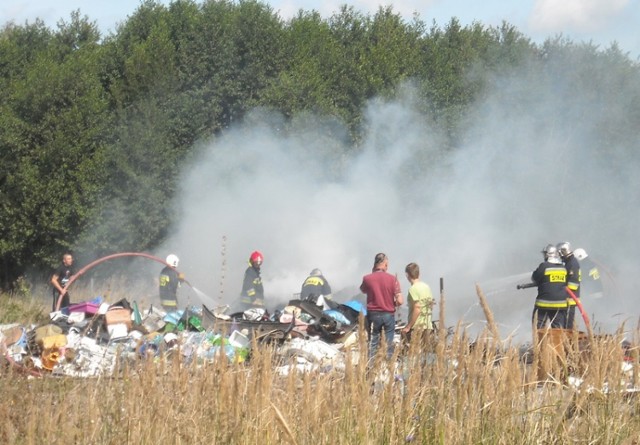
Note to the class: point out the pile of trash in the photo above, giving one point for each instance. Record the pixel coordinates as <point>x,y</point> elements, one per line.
<point>93,338</point>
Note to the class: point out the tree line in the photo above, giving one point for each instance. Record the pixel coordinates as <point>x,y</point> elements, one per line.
<point>93,127</point>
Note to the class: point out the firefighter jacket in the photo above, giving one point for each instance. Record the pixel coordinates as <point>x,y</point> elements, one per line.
<point>168,287</point>
<point>314,286</point>
<point>573,278</point>
<point>252,290</point>
<point>551,280</point>
<point>591,285</point>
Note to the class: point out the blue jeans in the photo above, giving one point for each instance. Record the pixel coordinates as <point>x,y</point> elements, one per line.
<point>376,323</point>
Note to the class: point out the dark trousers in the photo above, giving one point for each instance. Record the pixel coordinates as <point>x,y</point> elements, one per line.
<point>65,300</point>
<point>571,317</point>
<point>557,317</point>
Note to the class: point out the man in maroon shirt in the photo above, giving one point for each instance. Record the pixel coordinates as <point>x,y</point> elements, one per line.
<point>383,296</point>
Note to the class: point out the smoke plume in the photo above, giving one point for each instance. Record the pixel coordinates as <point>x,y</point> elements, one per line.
<point>539,163</point>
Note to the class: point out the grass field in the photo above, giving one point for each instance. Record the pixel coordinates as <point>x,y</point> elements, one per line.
<point>456,391</point>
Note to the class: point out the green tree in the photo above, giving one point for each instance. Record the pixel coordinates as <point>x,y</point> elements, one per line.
<point>54,116</point>
<point>455,64</point>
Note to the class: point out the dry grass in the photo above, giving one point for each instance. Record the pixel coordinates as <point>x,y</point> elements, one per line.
<point>482,399</point>
<point>446,393</point>
<point>22,309</point>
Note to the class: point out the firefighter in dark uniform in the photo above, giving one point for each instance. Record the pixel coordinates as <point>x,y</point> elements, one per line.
<point>573,280</point>
<point>551,279</point>
<point>252,294</point>
<point>168,282</point>
<point>314,286</point>
<point>590,282</point>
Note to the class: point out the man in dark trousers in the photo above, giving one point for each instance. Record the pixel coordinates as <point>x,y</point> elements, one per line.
<point>252,293</point>
<point>59,280</point>
<point>169,282</point>
<point>573,280</point>
<point>551,279</point>
<point>383,297</point>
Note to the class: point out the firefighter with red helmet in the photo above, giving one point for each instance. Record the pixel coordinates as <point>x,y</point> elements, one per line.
<point>252,291</point>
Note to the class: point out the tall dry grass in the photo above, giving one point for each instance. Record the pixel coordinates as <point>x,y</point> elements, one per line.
<point>456,390</point>
<point>463,394</point>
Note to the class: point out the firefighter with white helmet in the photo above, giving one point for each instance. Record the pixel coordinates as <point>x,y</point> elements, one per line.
<point>580,253</point>
<point>169,282</point>
<point>591,283</point>
<point>551,279</point>
<point>252,294</point>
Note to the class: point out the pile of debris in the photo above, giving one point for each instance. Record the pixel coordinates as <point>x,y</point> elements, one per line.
<point>93,338</point>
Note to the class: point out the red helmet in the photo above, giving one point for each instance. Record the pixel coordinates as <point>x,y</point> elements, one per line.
<point>256,256</point>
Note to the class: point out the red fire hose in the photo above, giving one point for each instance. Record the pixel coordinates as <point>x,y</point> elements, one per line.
<point>101,260</point>
<point>579,304</point>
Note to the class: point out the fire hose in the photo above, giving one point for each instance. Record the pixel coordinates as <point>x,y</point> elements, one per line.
<point>526,286</point>
<point>579,304</point>
<point>78,274</point>
<point>571,294</point>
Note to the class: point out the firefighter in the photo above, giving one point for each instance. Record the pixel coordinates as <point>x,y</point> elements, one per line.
<point>252,294</point>
<point>169,282</point>
<point>591,282</point>
<point>316,288</point>
<point>551,279</point>
<point>573,280</point>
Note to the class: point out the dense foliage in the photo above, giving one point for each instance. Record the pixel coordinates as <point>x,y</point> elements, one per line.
<point>93,128</point>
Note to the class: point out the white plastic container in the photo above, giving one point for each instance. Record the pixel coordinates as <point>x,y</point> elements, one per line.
<point>118,330</point>
<point>238,340</point>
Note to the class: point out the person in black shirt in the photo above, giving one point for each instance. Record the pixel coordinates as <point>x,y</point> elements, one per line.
<point>59,280</point>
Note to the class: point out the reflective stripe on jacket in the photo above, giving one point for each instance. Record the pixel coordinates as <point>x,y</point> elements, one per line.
<point>574,277</point>
<point>551,280</point>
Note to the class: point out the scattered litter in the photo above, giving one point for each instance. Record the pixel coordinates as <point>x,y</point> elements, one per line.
<point>89,339</point>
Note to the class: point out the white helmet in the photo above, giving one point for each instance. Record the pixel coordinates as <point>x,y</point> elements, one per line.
<point>580,254</point>
<point>172,260</point>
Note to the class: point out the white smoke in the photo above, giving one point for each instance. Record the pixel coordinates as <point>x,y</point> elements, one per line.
<point>529,172</point>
